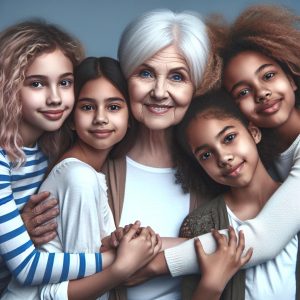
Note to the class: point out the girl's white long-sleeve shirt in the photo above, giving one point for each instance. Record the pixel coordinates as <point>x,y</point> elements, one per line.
<point>268,233</point>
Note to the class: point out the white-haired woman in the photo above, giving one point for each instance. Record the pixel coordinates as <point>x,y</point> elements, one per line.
<point>164,56</point>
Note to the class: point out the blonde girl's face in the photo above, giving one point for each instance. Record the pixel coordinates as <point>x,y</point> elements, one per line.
<point>261,89</point>
<point>47,95</point>
<point>225,149</point>
<point>100,115</point>
<point>161,89</point>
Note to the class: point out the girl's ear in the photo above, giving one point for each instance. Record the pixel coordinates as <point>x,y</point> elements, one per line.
<point>255,132</point>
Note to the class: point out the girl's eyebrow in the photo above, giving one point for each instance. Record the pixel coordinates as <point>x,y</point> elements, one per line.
<point>199,148</point>
<point>259,69</point>
<point>111,99</point>
<point>45,77</point>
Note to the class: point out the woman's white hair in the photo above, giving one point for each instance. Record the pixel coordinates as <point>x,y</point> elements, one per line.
<point>157,29</point>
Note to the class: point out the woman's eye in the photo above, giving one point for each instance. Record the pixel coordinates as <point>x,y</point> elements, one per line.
<point>87,107</point>
<point>36,84</point>
<point>114,107</point>
<point>177,77</point>
<point>66,82</point>
<point>229,138</point>
<point>269,75</point>
<point>145,74</point>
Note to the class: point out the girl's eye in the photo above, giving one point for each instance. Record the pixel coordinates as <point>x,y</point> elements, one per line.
<point>66,82</point>
<point>269,75</point>
<point>87,107</point>
<point>177,77</point>
<point>204,156</point>
<point>229,138</point>
<point>36,84</point>
<point>243,93</point>
<point>145,74</point>
<point>114,107</point>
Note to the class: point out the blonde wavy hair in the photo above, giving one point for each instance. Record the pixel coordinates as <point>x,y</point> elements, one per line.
<point>20,44</point>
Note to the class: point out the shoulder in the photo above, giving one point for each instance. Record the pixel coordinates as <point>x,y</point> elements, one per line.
<point>204,218</point>
<point>72,171</point>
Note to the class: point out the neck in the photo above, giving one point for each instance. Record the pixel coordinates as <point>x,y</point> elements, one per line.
<point>153,147</point>
<point>247,201</point>
<point>289,131</point>
<point>91,156</point>
<point>29,138</point>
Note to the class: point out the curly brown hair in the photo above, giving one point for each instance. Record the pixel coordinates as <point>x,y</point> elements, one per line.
<point>20,44</point>
<point>271,30</point>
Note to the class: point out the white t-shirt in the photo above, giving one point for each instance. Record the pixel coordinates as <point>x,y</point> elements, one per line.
<point>275,279</point>
<point>85,218</point>
<point>152,197</point>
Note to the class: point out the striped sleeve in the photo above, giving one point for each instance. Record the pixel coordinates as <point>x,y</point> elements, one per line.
<point>18,254</point>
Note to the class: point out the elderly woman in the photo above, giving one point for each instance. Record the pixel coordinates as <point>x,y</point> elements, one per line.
<point>163,55</point>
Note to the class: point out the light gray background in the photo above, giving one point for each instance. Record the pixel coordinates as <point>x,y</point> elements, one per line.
<point>98,23</point>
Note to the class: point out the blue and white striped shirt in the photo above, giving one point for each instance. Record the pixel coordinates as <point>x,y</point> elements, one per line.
<point>18,255</point>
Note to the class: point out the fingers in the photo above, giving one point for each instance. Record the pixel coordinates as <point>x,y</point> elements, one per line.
<point>116,236</point>
<point>232,237</point>
<point>158,244</point>
<point>199,249</point>
<point>221,239</point>
<point>36,199</point>
<point>241,247</point>
<point>43,239</point>
<point>247,257</point>
<point>133,230</point>
<point>45,217</point>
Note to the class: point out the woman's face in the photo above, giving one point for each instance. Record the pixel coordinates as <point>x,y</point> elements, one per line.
<point>161,89</point>
<point>261,89</point>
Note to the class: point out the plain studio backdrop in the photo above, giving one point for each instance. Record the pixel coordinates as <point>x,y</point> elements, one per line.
<point>98,23</point>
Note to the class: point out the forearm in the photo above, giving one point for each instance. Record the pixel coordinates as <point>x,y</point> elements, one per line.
<point>28,265</point>
<point>94,286</point>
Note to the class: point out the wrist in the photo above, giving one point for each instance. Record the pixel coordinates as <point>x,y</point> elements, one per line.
<point>158,266</point>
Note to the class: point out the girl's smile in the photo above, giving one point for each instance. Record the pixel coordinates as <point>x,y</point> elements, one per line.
<point>261,89</point>
<point>100,115</point>
<point>225,149</point>
<point>47,95</point>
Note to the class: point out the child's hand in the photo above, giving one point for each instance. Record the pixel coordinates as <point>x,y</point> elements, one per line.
<point>137,248</point>
<point>113,240</point>
<point>219,267</point>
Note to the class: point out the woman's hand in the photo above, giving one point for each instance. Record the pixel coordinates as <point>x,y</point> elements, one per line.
<point>218,268</point>
<point>38,216</point>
